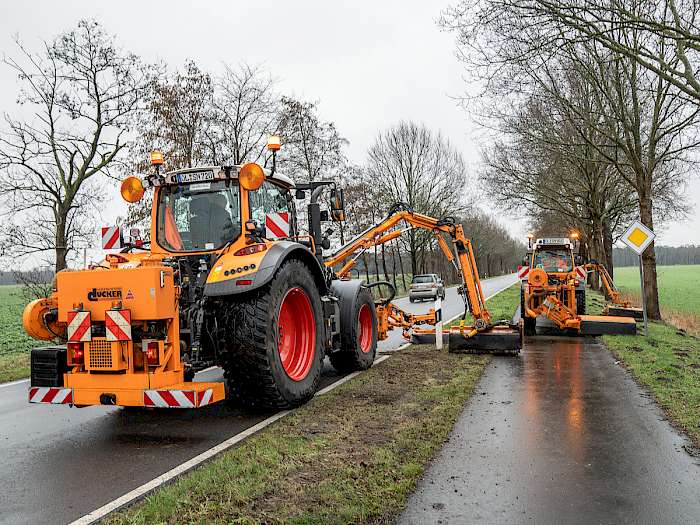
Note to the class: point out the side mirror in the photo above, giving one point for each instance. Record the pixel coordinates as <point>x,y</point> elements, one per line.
<point>300,195</point>
<point>578,260</point>
<point>526,262</point>
<point>338,205</point>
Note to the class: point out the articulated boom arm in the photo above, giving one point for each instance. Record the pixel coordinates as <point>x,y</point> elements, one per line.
<point>610,290</point>
<point>460,255</point>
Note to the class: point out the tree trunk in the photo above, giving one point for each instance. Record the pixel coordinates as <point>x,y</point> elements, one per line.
<point>386,273</point>
<point>651,297</point>
<point>364,260</point>
<point>61,249</point>
<point>608,247</point>
<point>376,265</point>
<point>403,272</point>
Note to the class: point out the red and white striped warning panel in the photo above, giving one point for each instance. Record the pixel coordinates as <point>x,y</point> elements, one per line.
<point>50,394</point>
<point>177,398</point>
<point>118,325</point>
<point>79,327</point>
<point>277,225</point>
<point>523,272</point>
<point>111,238</point>
<point>581,273</point>
<point>205,397</point>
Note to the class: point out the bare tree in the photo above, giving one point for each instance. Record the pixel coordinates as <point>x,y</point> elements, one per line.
<point>84,92</point>
<point>645,121</point>
<point>313,147</point>
<point>410,164</point>
<point>247,110</point>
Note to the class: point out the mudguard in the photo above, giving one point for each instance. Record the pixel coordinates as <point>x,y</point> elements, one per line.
<point>275,256</point>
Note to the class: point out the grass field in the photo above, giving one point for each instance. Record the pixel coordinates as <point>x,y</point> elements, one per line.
<point>679,287</point>
<point>351,456</point>
<point>14,343</point>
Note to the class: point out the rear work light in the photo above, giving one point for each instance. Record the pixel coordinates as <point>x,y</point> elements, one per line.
<point>76,353</point>
<point>152,352</point>
<point>250,250</point>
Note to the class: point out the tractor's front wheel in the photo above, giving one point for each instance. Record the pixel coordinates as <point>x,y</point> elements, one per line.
<point>275,352</point>
<point>358,330</point>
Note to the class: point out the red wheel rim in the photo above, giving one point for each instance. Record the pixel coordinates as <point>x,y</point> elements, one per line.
<point>296,328</point>
<point>365,329</point>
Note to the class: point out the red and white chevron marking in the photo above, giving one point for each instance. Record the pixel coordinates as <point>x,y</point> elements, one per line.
<point>177,398</point>
<point>50,394</point>
<point>523,272</point>
<point>79,326</point>
<point>204,398</point>
<point>111,238</point>
<point>118,325</point>
<point>277,225</point>
<point>169,398</point>
<point>581,273</point>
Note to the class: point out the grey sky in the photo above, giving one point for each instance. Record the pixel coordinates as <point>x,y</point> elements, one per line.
<point>369,63</point>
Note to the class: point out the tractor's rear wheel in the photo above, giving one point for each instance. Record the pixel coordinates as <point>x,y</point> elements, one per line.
<point>358,332</point>
<point>529,323</point>
<point>580,302</point>
<point>275,351</point>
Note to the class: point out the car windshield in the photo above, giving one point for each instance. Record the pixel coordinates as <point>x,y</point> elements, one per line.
<point>199,216</point>
<point>554,260</point>
<point>422,279</point>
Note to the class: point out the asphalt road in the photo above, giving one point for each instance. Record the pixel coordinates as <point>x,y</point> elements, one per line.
<point>59,463</point>
<point>560,434</point>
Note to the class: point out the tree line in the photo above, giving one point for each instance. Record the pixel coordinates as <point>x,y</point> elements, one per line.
<point>95,111</point>
<point>665,255</point>
<point>591,111</point>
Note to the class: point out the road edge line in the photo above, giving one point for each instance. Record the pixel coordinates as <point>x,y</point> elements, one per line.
<point>13,383</point>
<point>143,490</point>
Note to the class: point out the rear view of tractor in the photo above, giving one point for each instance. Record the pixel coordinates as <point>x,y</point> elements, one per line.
<point>553,286</point>
<point>225,280</point>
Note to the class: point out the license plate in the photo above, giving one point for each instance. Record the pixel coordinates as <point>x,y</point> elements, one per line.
<point>195,176</point>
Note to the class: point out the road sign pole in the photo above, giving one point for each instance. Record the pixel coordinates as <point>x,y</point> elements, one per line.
<point>644,295</point>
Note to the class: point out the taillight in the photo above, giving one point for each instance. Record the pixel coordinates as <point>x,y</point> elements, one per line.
<point>77,354</point>
<point>250,250</point>
<point>244,282</point>
<point>152,352</point>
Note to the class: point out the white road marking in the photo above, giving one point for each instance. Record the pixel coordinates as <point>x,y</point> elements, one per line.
<point>13,383</point>
<point>143,490</point>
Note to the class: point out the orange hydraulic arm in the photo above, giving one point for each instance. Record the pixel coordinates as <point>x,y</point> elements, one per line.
<point>460,254</point>
<point>610,290</point>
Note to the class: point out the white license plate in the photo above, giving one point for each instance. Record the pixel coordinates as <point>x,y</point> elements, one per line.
<point>195,176</point>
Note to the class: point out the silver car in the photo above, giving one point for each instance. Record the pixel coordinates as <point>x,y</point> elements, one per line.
<point>427,286</point>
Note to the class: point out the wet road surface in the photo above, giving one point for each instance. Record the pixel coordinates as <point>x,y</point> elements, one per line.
<point>59,463</point>
<point>561,434</point>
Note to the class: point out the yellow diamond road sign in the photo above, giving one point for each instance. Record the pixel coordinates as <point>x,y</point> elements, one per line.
<point>638,237</point>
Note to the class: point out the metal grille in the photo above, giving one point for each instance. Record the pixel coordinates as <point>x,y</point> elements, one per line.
<point>100,353</point>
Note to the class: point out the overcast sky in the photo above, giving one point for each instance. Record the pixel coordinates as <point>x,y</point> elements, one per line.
<point>368,63</point>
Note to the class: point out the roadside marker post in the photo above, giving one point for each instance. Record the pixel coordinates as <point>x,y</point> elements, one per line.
<point>438,326</point>
<point>638,237</point>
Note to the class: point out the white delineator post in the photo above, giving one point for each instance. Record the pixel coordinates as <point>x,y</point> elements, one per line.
<point>438,325</point>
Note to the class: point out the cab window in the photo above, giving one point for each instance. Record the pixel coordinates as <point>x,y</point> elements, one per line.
<point>554,260</point>
<point>271,199</point>
<point>198,216</point>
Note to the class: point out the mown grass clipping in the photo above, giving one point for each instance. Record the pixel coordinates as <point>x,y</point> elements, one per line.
<point>350,456</point>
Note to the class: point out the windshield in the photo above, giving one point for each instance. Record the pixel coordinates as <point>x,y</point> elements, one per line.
<point>200,216</point>
<point>419,279</point>
<point>554,260</point>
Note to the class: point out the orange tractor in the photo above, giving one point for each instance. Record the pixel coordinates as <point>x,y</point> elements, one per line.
<point>226,279</point>
<point>553,285</point>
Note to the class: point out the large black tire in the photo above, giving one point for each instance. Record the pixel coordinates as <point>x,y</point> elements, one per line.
<point>529,324</point>
<point>358,333</point>
<point>253,365</point>
<point>581,302</point>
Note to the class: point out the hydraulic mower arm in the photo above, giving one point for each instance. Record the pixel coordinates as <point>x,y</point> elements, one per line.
<point>618,306</point>
<point>460,254</point>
